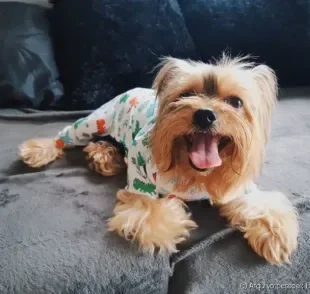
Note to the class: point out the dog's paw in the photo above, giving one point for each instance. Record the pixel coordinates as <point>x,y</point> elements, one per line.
<point>39,152</point>
<point>104,158</point>
<point>274,237</point>
<point>269,222</point>
<point>153,223</point>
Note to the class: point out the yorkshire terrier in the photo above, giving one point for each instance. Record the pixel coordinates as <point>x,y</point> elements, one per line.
<point>201,132</point>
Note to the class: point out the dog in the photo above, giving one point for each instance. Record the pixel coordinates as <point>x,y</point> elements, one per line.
<point>200,132</point>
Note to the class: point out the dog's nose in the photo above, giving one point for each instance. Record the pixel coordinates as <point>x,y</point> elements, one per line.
<point>204,118</point>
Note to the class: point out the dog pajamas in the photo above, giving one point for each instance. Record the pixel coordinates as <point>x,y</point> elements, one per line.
<point>128,118</point>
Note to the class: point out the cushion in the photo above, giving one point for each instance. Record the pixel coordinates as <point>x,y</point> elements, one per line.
<point>275,31</point>
<point>104,48</point>
<point>28,73</point>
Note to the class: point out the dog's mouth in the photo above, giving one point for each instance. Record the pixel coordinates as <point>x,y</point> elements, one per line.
<point>204,150</point>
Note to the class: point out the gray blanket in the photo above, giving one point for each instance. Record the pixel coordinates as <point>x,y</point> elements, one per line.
<point>53,237</point>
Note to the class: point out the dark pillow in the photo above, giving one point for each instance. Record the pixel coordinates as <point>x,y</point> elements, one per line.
<point>105,47</point>
<point>28,73</point>
<point>276,31</point>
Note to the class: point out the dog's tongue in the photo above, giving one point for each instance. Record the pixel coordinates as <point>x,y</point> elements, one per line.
<point>204,151</point>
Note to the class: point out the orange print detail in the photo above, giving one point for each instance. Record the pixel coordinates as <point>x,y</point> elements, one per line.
<point>60,144</point>
<point>101,126</point>
<point>133,103</point>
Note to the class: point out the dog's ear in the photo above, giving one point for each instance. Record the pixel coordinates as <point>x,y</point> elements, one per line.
<point>168,68</point>
<point>171,71</point>
<point>266,81</point>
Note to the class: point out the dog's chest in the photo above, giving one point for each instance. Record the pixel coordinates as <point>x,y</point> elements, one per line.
<point>165,188</point>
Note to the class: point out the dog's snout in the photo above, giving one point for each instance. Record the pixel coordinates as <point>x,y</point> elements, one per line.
<point>204,118</point>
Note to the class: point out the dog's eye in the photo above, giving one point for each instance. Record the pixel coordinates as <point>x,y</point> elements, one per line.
<point>235,102</point>
<point>186,94</point>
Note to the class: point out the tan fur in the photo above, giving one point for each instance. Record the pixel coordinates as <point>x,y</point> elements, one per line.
<point>105,158</point>
<point>161,223</point>
<point>268,219</point>
<point>248,129</point>
<point>39,152</point>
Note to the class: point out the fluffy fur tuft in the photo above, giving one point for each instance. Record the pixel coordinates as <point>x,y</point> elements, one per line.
<point>39,152</point>
<point>104,158</point>
<point>269,222</point>
<point>161,223</point>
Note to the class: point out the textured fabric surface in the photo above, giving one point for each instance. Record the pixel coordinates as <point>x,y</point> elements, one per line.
<point>53,237</point>
<point>276,31</point>
<point>28,73</point>
<point>43,3</point>
<point>105,47</point>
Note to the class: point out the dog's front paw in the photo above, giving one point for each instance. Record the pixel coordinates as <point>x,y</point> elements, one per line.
<point>273,237</point>
<point>153,223</point>
<point>39,152</point>
<point>269,222</point>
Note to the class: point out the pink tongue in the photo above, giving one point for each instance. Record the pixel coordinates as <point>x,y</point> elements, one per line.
<point>204,151</point>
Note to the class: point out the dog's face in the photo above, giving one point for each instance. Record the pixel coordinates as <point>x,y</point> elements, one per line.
<point>213,122</point>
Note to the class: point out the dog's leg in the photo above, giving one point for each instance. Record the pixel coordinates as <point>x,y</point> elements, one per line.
<point>268,221</point>
<point>153,223</point>
<point>105,158</point>
<point>39,152</point>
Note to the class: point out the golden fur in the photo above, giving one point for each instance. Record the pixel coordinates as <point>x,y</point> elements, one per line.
<point>248,129</point>
<point>105,158</point>
<point>162,223</point>
<point>268,219</point>
<point>39,152</point>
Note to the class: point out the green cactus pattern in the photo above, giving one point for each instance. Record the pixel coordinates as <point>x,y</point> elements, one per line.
<point>151,109</point>
<point>144,187</point>
<point>124,98</point>
<point>136,130</point>
<point>145,141</point>
<point>143,106</point>
<point>79,122</point>
<point>120,115</point>
<point>140,160</point>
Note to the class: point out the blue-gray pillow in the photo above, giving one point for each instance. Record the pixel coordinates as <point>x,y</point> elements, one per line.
<point>28,73</point>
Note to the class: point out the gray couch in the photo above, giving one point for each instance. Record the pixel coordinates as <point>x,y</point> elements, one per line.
<point>53,237</point>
